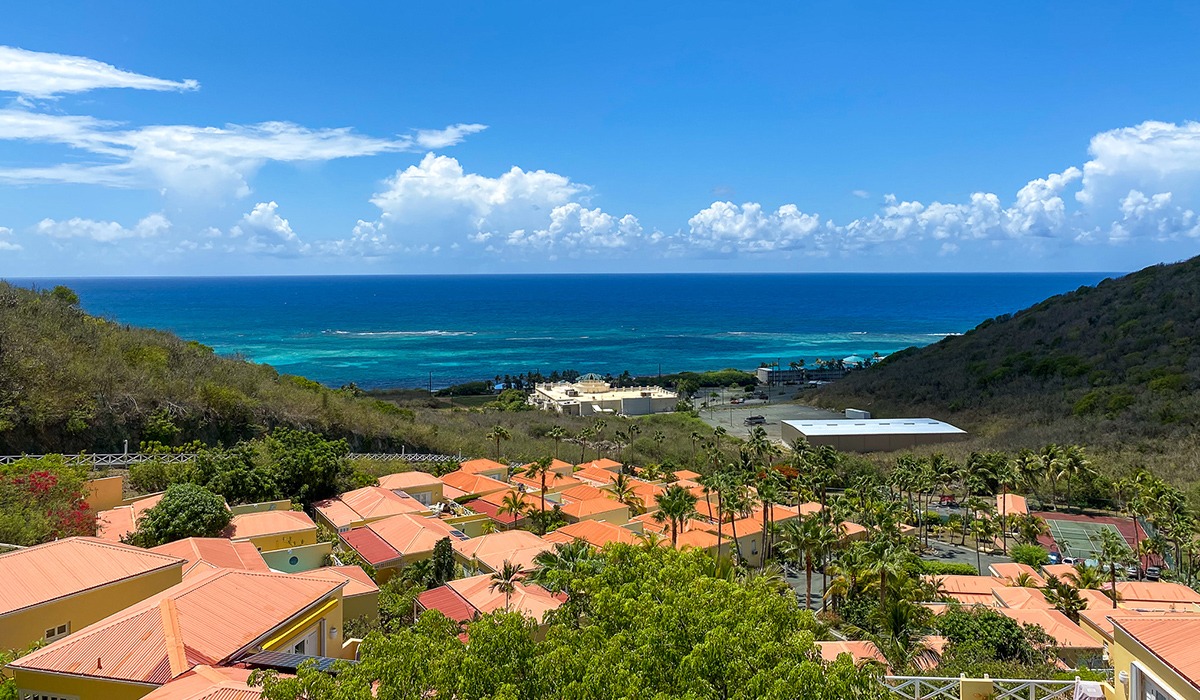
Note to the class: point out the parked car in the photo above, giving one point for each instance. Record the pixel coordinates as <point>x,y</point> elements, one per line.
<point>1055,558</point>
<point>737,401</point>
<point>1153,573</point>
<point>763,396</point>
<point>1070,560</point>
<point>755,420</point>
<point>1134,572</point>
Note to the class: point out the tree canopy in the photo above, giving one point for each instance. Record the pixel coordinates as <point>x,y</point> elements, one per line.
<point>186,510</point>
<point>657,624</point>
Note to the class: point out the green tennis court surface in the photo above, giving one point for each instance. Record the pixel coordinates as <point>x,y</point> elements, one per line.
<point>1079,540</point>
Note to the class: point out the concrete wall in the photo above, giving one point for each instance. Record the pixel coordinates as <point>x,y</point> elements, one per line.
<point>308,557</point>
<point>328,619</point>
<point>19,629</point>
<point>261,507</point>
<point>291,540</point>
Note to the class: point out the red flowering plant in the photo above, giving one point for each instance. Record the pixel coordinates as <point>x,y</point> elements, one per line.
<point>43,499</point>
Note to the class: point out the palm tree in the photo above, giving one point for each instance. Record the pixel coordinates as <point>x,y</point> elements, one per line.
<point>1073,463</point>
<point>1114,551</point>
<point>695,437</point>
<point>419,572</point>
<point>981,528</point>
<point>557,434</point>
<point>540,468</point>
<point>718,433</point>
<point>512,504</point>
<point>769,491</point>
<point>1064,597</point>
<point>1007,477</point>
<point>505,580</point>
<point>558,568</point>
<point>675,505</point>
<point>1050,461</point>
<point>1085,577</point>
<point>890,557</point>
<point>498,433</point>
<point>583,437</point>
<point>1030,527</point>
<point>658,437</point>
<point>622,488</point>
<point>716,482</point>
<point>801,540</point>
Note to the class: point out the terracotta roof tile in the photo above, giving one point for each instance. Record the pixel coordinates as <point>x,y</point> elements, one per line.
<point>1015,597</point>
<point>68,566</point>
<point>516,546</point>
<point>554,480</point>
<point>528,599</point>
<point>1171,639</point>
<point>370,546</point>
<point>367,503</point>
<point>1013,503</point>
<point>493,511</point>
<point>208,683</point>
<point>118,522</point>
<point>410,534</point>
<point>595,532</point>
<point>209,617</point>
<point>1065,633</point>
<point>1102,618</point>
<point>448,602</point>
<point>595,476</point>
<point>357,581</point>
<point>214,553</point>
<point>409,480</point>
<point>1011,571</point>
<point>860,651</point>
<point>1133,592</point>
<point>604,464</point>
<point>477,466</point>
<point>269,522</point>
<point>595,506</point>
<point>473,483</point>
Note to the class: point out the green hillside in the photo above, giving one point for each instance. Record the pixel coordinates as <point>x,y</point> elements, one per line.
<point>1114,366</point>
<point>70,381</point>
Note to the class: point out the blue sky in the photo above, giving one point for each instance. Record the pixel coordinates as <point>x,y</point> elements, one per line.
<point>272,138</point>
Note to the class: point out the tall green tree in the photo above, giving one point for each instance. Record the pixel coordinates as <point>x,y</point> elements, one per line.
<point>186,510</point>
<point>675,505</point>
<point>497,434</point>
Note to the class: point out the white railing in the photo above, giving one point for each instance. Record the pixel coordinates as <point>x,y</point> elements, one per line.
<point>125,459</point>
<point>934,688</point>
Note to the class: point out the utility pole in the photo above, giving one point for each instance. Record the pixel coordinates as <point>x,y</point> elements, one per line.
<point>431,382</point>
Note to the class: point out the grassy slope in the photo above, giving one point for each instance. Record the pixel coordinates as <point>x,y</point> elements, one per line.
<point>1113,366</point>
<point>70,382</point>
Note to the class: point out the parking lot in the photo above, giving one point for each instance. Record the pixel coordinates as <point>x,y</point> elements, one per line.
<point>778,407</point>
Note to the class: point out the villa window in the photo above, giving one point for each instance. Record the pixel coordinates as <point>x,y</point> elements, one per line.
<point>38,695</point>
<point>1146,686</point>
<point>53,633</point>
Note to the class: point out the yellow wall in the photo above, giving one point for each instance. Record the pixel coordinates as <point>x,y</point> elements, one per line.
<point>270,543</point>
<point>21,628</point>
<point>105,493</point>
<point>365,605</point>
<point>84,688</point>
<point>470,525</point>
<point>1125,650</point>
<point>308,557</point>
<point>619,515</point>
<point>433,491</point>
<point>329,618</point>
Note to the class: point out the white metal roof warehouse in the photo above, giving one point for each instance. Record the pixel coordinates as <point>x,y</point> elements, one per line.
<point>871,434</point>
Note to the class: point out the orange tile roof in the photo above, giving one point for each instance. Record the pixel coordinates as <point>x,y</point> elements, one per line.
<point>860,651</point>
<point>969,590</point>
<point>497,498</point>
<point>554,480</point>
<point>584,492</point>
<point>409,480</point>
<point>595,532</point>
<point>207,683</point>
<point>69,566</point>
<point>118,522</point>
<point>695,538</point>
<point>206,620</point>
<point>1065,633</point>
<point>1059,570</point>
<point>516,546</point>
<point>411,534</point>
<point>594,506</point>
<point>596,477</point>
<point>809,508</point>
<point>357,581</point>
<point>1011,571</point>
<point>1133,592</point>
<point>849,529</point>
<point>1013,503</point>
<point>473,483</point>
<point>1172,640</point>
<point>603,464</point>
<point>367,503</point>
<point>269,522</point>
<point>448,602</point>
<point>1025,598</point>
<point>1102,618</point>
<point>687,474</point>
<point>528,599</point>
<point>204,553</point>
<point>477,466</point>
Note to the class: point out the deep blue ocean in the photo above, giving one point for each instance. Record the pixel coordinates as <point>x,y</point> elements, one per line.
<point>394,331</point>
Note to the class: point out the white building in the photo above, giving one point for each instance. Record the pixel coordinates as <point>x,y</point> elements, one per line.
<point>591,395</point>
<point>871,434</point>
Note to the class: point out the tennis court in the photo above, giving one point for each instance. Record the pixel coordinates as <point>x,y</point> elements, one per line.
<point>1078,539</point>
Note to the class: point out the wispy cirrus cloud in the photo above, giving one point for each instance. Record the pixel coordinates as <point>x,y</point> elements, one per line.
<point>43,75</point>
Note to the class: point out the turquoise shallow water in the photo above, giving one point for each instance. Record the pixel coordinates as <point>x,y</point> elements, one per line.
<point>397,331</point>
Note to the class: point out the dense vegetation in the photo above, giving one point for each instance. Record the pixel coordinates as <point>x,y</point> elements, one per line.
<point>1113,366</point>
<point>41,500</point>
<point>650,622</point>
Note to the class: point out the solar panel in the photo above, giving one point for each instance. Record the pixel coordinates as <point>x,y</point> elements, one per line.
<point>459,535</point>
<point>282,661</point>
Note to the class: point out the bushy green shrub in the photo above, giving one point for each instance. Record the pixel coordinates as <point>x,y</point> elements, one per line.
<point>1030,554</point>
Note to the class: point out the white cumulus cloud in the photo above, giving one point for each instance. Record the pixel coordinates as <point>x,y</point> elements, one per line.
<point>44,75</point>
<point>265,231</point>
<point>6,240</point>
<point>151,226</point>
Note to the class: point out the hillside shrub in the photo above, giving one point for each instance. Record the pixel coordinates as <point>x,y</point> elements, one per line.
<point>1030,554</point>
<point>186,510</point>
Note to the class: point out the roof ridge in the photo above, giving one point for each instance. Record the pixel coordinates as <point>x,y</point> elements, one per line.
<point>91,541</point>
<point>172,636</point>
